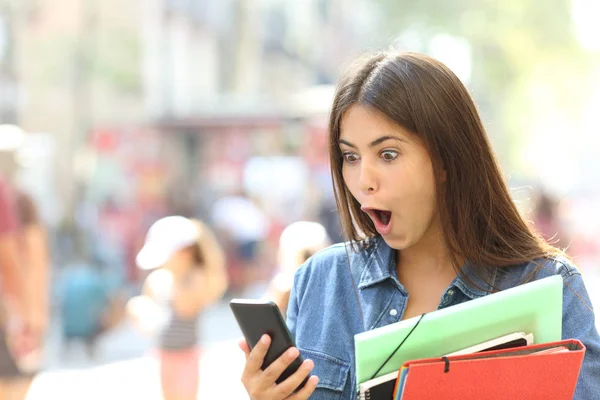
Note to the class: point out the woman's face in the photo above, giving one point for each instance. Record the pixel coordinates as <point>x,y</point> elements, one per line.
<point>180,261</point>
<point>389,172</point>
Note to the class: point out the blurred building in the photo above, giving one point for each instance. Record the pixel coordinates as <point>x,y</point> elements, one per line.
<point>162,106</point>
<point>70,66</point>
<point>232,80</point>
<point>101,75</point>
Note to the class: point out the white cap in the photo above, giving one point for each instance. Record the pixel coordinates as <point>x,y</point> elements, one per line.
<point>304,234</point>
<point>297,238</point>
<point>165,237</point>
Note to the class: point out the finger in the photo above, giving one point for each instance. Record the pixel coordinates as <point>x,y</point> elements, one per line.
<point>257,355</point>
<point>288,386</point>
<point>273,371</point>
<point>307,390</point>
<point>244,347</point>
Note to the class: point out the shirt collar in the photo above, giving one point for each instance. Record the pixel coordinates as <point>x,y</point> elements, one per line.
<point>381,262</point>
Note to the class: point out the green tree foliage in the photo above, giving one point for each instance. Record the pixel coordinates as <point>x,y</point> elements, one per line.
<point>516,45</point>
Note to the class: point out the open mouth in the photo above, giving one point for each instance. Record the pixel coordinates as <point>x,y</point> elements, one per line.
<point>381,218</point>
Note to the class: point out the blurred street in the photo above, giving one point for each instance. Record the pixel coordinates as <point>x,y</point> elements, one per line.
<point>125,369</point>
<point>215,115</point>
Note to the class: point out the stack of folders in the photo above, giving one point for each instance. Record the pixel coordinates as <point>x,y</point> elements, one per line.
<point>483,348</point>
<point>385,386</point>
<point>546,371</point>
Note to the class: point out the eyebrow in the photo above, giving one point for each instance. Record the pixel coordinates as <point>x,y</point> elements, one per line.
<point>375,142</point>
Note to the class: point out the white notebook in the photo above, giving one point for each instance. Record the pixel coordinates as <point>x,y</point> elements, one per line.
<point>516,339</point>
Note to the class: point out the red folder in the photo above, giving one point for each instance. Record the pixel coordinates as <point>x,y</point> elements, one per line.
<point>517,373</point>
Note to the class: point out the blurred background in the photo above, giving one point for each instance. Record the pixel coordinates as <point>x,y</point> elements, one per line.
<point>132,111</point>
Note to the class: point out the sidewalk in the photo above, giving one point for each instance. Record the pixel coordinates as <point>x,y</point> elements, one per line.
<point>220,371</point>
<point>124,367</point>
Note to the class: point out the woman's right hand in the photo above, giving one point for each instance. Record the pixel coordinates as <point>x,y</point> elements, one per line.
<point>261,385</point>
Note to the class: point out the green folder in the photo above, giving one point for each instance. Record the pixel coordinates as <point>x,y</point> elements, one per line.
<point>534,307</point>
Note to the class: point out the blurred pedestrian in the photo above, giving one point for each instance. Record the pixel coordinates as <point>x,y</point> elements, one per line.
<point>190,275</point>
<point>89,306</point>
<point>243,227</point>
<point>297,243</point>
<point>16,315</point>
<point>24,261</point>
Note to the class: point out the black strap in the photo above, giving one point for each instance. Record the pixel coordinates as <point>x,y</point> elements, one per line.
<point>447,364</point>
<point>400,345</point>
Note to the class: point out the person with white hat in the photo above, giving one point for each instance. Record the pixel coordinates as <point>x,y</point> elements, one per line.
<point>189,275</point>
<point>297,243</point>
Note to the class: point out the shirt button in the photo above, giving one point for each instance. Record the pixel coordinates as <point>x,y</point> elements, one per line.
<point>393,312</point>
<point>450,292</point>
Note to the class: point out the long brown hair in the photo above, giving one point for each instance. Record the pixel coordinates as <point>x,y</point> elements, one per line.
<point>480,222</point>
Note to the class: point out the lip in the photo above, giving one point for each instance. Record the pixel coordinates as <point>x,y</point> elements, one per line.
<point>381,228</point>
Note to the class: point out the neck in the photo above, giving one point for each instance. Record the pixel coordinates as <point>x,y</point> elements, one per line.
<point>430,256</point>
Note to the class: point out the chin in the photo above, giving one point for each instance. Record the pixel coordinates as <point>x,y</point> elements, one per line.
<point>397,242</point>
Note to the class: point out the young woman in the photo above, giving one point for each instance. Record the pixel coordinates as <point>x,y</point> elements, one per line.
<point>191,277</point>
<point>430,221</point>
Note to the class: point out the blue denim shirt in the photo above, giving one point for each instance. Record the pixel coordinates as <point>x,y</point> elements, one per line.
<point>323,315</point>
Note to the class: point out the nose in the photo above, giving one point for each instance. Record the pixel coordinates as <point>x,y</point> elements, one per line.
<point>368,179</point>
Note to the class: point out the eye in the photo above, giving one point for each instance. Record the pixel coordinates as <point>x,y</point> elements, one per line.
<point>389,155</point>
<point>350,158</point>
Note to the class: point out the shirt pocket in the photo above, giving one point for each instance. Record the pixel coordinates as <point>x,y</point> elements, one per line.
<point>332,373</point>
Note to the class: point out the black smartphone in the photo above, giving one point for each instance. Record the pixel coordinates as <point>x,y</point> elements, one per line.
<point>259,317</point>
